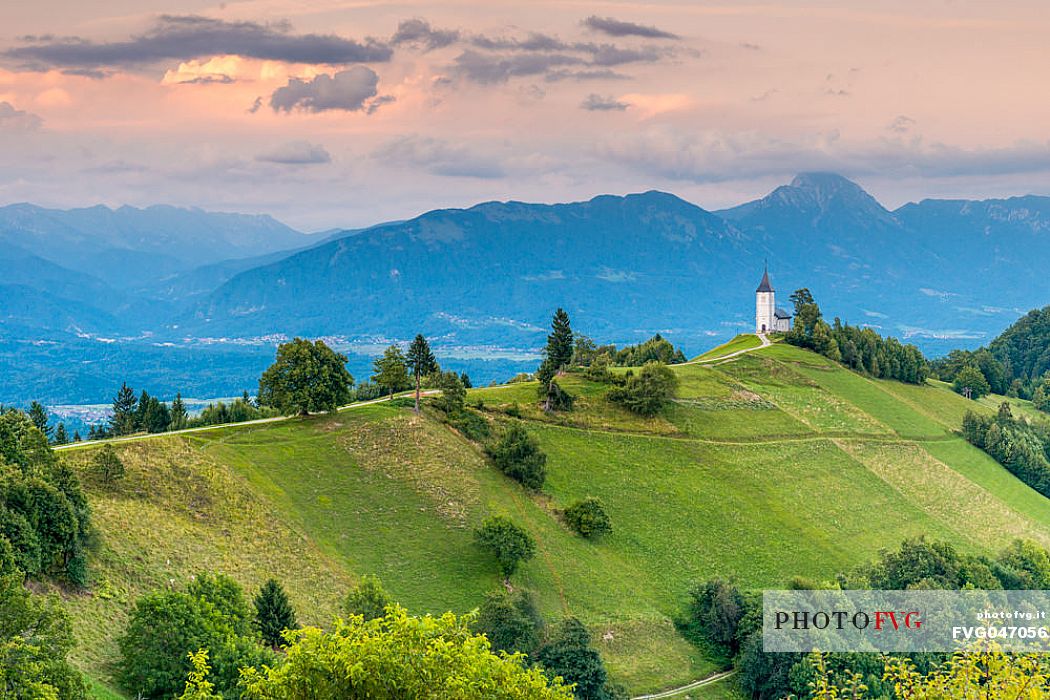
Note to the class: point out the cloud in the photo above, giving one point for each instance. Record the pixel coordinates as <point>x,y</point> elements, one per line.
<point>296,153</point>
<point>186,37</point>
<point>439,157</point>
<point>18,120</point>
<point>597,103</point>
<point>419,33</point>
<point>901,125</point>
<point>350,90</point>
<point>716,156</point>
<point>498,68</point>
<point>615,27</point>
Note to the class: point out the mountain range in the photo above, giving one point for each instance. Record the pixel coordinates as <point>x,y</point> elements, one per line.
<point>175,299</point>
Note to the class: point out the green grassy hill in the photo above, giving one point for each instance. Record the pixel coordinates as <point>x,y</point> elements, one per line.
<point>774,464</point>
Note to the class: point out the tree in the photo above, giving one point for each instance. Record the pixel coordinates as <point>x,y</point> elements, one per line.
<point>421,361</point>
<point>273,613</point>
<point>646,393</point>
<point>560,341</point>
<point>155,418</point>
<point>179,415</point>
<point>61,436</point>
<point>801,297</point>
<point>555,398</point>
<point>510,621</point>
<point>35,638</point>
<point>465,379</point>
<point>453,393</point>
<point>713,614</point>
<point>367,599</point>
<point>569,655</point>
<point>971,379</point>
<point>124,409</point>
<point>210,614</point>
<point>390,371</point>
<point>107,465</point>
<point>38,414</point>
<point>509,543</point>
<point>306,377</point>
<point>519,456</point>
<point>588,517</point>
<point>397,656</point>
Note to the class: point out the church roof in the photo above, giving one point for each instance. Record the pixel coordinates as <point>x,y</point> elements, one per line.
<point>765,286</point>
<point>780,313</point>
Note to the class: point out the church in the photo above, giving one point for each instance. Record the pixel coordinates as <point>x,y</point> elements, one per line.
<point>768,318</point>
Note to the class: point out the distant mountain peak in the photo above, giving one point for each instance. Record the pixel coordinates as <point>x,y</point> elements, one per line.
<point>825,183</point>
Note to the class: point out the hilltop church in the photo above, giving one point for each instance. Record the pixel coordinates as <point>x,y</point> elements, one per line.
<point>768,318</point>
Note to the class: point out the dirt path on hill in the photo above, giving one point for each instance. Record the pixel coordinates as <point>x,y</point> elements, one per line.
<point>766,342</point>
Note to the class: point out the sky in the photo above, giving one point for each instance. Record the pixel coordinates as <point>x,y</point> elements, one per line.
<point>344,113</point>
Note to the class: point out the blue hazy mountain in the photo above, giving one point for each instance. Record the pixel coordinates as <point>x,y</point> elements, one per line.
<point>492,274</point>
<point>483,281</point>
<point>128,247</point>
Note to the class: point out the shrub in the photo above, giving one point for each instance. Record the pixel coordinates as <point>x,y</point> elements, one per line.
<point>713,614</point>
<point>368,599</point>
<point>164,626</point>
<point>509,543</point>
<point>569,654</point>
<point>453,393</point>
<point>588,517</point>
<point>647,392</point>
<point>510,621</point>
<point>107,465</point>
<point>398,656</point>
<point>519,456</point>
<point>555,398</point>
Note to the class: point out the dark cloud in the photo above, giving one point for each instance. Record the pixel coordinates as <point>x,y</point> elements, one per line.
<point>615,27</point>
<point>439,157</point>
<point>541,54</point>
<point>419,33</point>
<point>189,37</point>
<point>497,68</point>
<point>296,153</point>
<point>209,80</point>
<point>17,120</point>
<point>597,103</point>
<point>350,90</point>
<point>901,125</point>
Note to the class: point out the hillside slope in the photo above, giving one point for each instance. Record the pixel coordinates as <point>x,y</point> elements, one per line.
<point>774,464</point>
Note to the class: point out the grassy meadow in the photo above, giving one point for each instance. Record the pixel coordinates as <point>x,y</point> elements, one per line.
<point>774,464</point>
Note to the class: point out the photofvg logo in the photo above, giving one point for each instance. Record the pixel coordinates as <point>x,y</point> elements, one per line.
<point>903,621</point>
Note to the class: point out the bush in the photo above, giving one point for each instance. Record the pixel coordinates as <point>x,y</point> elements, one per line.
<point>647,392</point>
<point>165,626</point>
<point>368,599</point>
<point>555,398</point>
<point>598,370</point>
<point>519,456</point>
<point>713,614</point>
<point>398,656</point>
<point>367,391</point>
<point>471,425</point>
<point>588,517</point>
<point>509,543</point>
<point>35,638</point>
<point>569,654</point>
<point>510,621</point>
<point>107,465</point>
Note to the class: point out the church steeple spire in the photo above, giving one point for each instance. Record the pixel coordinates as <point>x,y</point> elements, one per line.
<point>765,286</point>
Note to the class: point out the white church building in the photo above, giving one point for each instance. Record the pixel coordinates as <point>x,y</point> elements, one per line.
<point>768,318</point>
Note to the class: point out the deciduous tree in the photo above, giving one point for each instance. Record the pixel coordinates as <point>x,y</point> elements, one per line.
<point>306,377</point>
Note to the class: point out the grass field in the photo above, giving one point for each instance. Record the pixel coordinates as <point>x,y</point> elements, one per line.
<point>774,464</point>
<point>741,342</point>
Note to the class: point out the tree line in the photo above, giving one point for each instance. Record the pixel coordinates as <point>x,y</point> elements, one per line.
<point>1015,364</point>
<point>860,349</point>
<point>1017,444</point>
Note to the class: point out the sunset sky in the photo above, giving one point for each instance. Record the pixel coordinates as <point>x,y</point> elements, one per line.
<point>335,113</point>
